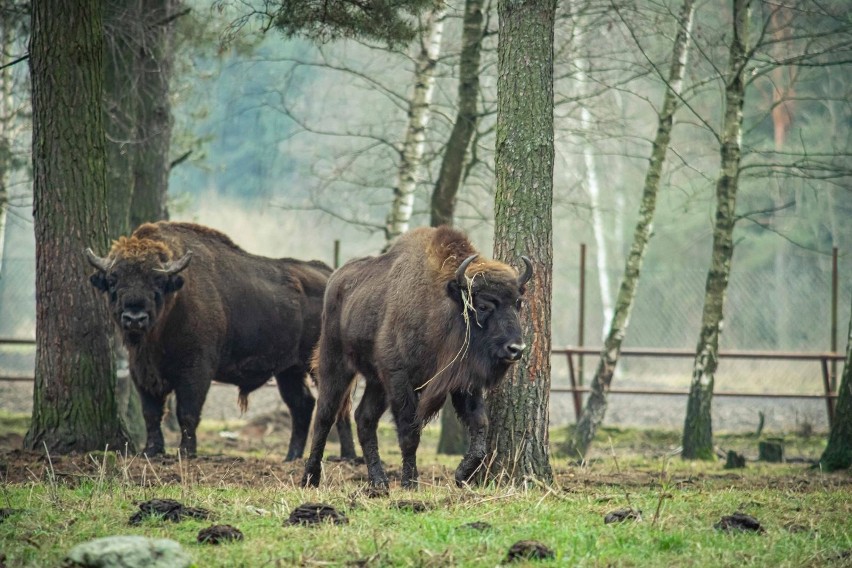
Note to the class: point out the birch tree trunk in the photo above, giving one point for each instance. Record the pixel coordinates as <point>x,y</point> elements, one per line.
<point>698,429</point>
<point>419,112</point>
<point>838,452</point>
<point>453,438</point>
<point>73,396</point>
<point>518,407</point>
<point>596,404</point>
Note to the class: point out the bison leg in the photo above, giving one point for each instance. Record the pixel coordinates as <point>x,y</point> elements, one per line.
<point>333,389</point>
<point>373,404</point>
<point>404,407</point>
<point>190,397</point>
<point>152,411</point>
<point>470,408</point>
<point>298,398</point>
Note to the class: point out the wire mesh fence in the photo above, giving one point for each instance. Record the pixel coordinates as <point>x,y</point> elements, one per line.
<point>764,311</point>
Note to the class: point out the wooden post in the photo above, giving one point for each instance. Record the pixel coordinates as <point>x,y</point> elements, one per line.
<point>581,332</point>
<point>336,264</point>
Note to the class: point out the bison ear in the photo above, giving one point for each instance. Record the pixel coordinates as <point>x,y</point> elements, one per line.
<point>454,292</point>
<point>174,283</point>
<point>98,280</point>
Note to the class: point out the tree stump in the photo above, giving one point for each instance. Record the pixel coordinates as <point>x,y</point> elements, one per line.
<point>771,450</point>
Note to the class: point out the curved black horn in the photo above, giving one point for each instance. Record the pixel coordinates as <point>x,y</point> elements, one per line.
<point>101,264</point>
<point>528,272</point>
<point>177,265</point>
<point>460,277</point>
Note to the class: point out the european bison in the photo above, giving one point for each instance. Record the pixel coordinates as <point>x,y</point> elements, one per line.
<point>228,315</point>
<point>421,321</point>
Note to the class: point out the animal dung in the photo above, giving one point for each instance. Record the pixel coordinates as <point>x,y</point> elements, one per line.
<point>413,506</point>
<point>528,550</point>
<point>621,515</point>
<point>739,522</point>
<point>169,510</point>
<point>315,513</point>
<point>477,526</point>
<point>218,534</point>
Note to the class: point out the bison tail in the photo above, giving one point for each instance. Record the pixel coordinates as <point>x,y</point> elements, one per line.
<point>242,400</point>
<point>346,404</point>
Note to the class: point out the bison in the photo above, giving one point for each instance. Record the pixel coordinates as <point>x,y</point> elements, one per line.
<point>192,306</point>
<point>421,321</point>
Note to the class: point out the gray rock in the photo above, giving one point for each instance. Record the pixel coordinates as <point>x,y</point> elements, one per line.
<point>128,552</point>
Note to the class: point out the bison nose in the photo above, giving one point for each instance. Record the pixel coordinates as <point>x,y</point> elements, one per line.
<point>134,320</point>
<point>515,350</point>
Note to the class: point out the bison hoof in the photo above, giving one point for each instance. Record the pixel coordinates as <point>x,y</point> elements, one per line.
<point>153,452</point>
<point>310,480</point>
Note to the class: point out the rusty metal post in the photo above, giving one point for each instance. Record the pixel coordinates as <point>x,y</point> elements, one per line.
<point>575,392</point>
<point>826,382</point>
<point>834,285</point>
<point>581,332</point>
<point>336,254</point>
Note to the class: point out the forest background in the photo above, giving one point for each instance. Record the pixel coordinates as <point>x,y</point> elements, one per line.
<point>294,146</point>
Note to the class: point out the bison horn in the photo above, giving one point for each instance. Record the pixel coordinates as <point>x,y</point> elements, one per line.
<point>177,265</point>
<point>528,272</point>
<point>460,277</point>
<point>101,264</point>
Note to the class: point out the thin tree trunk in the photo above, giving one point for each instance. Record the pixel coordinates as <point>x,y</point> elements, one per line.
<point>73,399</point>
<point>454,437</point>
<point>838,452</point>
<point>698,427</point>
<point>7,120</point>
<point>452,166</point>
<point>518,407</point>
<point>596,404</point>
<point>419,113</point>
<point>151,163</point>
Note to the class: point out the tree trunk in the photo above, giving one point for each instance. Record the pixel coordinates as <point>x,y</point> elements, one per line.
<point>698,428</point>
<point>419,112</point>
<point>454,437</point>
<point>449,177</point>
<point>596,405</point>
<point>838,452</point>
<point>154,64</point>
<point>73,400</point>
<point>518,407</point>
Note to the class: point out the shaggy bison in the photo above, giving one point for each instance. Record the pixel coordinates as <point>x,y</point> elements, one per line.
<point>421,321</point>
<point>193,307</point>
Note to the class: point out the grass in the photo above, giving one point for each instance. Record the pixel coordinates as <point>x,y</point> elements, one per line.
<point>807,515</point>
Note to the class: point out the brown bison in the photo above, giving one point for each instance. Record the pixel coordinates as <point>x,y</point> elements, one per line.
<point>227,315</point>
<point>421,321</point>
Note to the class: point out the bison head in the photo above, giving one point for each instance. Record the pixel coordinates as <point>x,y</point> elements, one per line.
<point>491,300</point>
<point>138,276</point>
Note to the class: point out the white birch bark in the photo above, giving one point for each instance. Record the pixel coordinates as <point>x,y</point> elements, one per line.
<point>411,154</point>
<point>596,405</point>
<point>698,428</point>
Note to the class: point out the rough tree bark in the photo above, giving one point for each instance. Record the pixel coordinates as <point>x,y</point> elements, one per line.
<point>419,112</point>
<point>454,437</point>
<point>838,452</point>
<point>73,400</point>
<point>518,407</point>
<point>698,428</point>
<point>596,404</point>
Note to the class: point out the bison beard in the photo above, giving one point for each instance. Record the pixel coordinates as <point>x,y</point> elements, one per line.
<point>425,320</point>
<point>227,315</point>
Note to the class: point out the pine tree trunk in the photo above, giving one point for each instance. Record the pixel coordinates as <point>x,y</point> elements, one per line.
<point>698,426</point>
<point>454,437</point>
<point>154,68</point>
<point>596,404</point>
<point>419,113</point>
<point>518,407</point>
<point>838,452</point>
<point>73,401</point>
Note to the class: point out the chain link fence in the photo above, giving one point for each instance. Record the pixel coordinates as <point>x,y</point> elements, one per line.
<point>765,310</point>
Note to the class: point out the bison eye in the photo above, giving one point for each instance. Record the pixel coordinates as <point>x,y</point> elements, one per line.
<point>484,307</point>
<point>519,303</point>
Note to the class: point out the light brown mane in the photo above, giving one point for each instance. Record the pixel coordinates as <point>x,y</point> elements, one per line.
<point>448,249</point>
<point>138,249</point>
